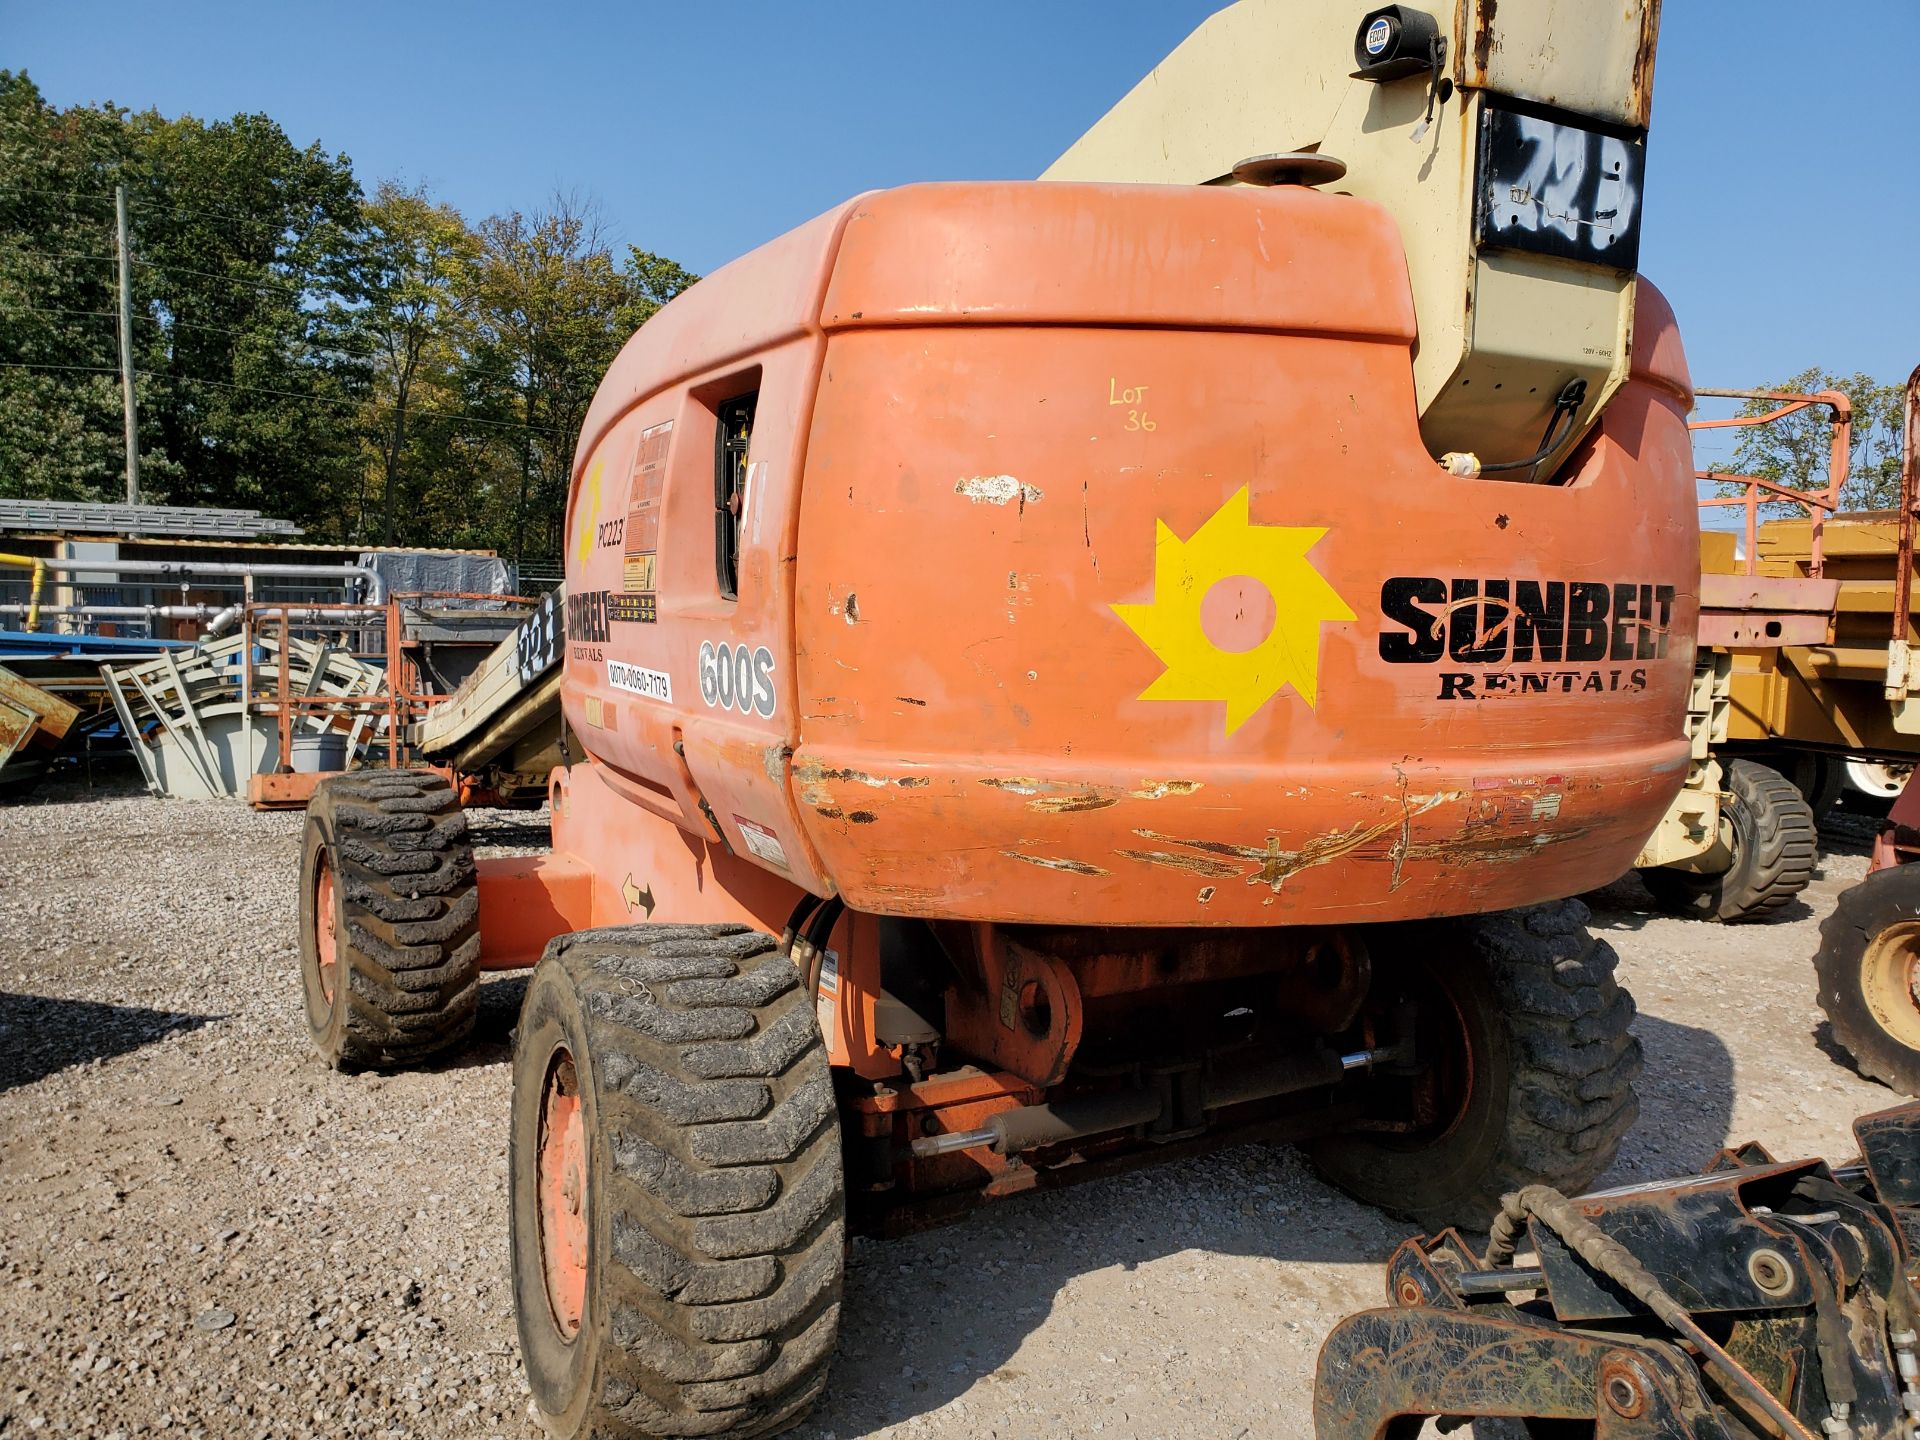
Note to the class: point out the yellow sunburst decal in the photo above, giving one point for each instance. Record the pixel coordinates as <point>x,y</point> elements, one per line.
<point>589,513</point>
<point>1229,545</point>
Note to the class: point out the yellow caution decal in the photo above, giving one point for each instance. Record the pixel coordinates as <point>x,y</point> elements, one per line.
<point>1210,625</point>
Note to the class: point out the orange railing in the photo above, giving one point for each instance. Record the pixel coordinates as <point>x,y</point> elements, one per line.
<point>406,696</point>
<point>1909,508</point>
<point>1755,491</point>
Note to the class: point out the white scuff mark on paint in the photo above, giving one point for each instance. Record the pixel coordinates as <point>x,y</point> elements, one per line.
<point>997,490</point>
<point>753,502</point>
<point>1160,789</point>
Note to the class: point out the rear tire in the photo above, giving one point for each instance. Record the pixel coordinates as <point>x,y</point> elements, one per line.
<point>389,920</point>
<point>1547,1059</point>
<point>1773,853</point>
<point>678,1209</point>
<point>1867,966</point>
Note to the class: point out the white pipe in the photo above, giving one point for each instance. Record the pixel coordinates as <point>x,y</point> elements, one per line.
<point>116,612</point>
<point>339,615</point>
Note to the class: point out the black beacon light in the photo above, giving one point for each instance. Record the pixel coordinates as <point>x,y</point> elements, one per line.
<point>1396,41</point>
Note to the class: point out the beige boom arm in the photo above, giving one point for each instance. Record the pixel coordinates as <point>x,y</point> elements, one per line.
<point>1514,169</point>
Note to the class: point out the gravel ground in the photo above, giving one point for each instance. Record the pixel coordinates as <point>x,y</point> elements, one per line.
<point>207,1233</point>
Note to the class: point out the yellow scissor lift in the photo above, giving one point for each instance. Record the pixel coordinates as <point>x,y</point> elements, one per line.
<point>1808,663</point>
<point>1803,669</point>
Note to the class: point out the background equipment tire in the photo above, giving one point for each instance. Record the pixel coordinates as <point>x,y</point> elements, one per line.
<point>678,1208</point>
<point>1868,967</point>
<point>1820,779</point>
<point>1542,1059</point>
<point>1773,851</point>
<point>389,919</point>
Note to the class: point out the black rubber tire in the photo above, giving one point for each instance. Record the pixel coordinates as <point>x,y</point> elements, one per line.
<point>1820,779</point>
<point>716,1205</point>
<point>1552,1061</point>
<point>1773,853</point>
<point>406,919</point>
<point>1858,1008</point>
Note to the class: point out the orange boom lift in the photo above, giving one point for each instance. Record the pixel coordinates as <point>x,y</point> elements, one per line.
<point>1055,679</point>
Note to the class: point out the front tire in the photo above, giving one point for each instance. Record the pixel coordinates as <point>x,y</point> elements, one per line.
<point>1773,834</point>
<point>678,1209</point>
<point>1523,1014</point>
<point>1868,968</point>
<point>389,920</point>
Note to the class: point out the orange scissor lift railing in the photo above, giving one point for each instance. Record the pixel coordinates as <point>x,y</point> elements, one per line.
<point>1756,491</point>
<point>1820,602</point>
<point>372,721</point>
<point>1747,609</point>
<point>376,723</point>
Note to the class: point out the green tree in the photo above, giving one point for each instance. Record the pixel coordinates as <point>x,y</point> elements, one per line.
<point>418,259</point>
<point>1796,451</point>
<point>552,310</point>
<point>655,280</point>
<point>60,410</point>
<point>375,370</point>
<point>244,242</point>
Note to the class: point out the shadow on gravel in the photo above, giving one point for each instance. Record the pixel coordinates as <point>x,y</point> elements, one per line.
<point>1839,1054</point>
<point>1617,908</point>
<point>112,777</point>
<point>1844,834</point>
<point>40,1036</point>
<point>1627,905</point>
<point>929,1317</point>
<point>1686,1103</point>
<point>492,1042</point>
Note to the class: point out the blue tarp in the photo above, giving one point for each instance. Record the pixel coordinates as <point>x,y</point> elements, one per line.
<point>34,644</point>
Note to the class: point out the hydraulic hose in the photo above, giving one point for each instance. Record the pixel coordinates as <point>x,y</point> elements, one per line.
<point>795,920</point>
<point>819,930</point>
<point>1572,394</point>
<point>1617,1263</point>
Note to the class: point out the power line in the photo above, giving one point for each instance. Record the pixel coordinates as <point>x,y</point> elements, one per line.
<point>296,288</point>
<point>58,254</point>
<point>454,415</point>
<point>321,346</point>
<point>374,404</point>
<point>48,365</point>
<point>174,322</point>
<point>145,204</point>
<point>232,279</point>
<point>70,194</point>
<point>56,310</point>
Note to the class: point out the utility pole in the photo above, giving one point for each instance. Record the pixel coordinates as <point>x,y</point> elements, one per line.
<point>126,347</point>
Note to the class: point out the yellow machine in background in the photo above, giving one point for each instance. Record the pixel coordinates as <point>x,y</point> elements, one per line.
<point>1807,652</point>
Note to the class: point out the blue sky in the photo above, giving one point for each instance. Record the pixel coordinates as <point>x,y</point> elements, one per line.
<point>1780,203</point>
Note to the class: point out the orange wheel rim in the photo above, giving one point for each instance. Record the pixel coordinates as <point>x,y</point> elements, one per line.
<point>325,923</point>
<point>563,1194</point>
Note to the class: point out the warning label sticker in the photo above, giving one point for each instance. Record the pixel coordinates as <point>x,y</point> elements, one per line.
<point>826,1005</point>
<point>642,551</point>
<point>761,841</point>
